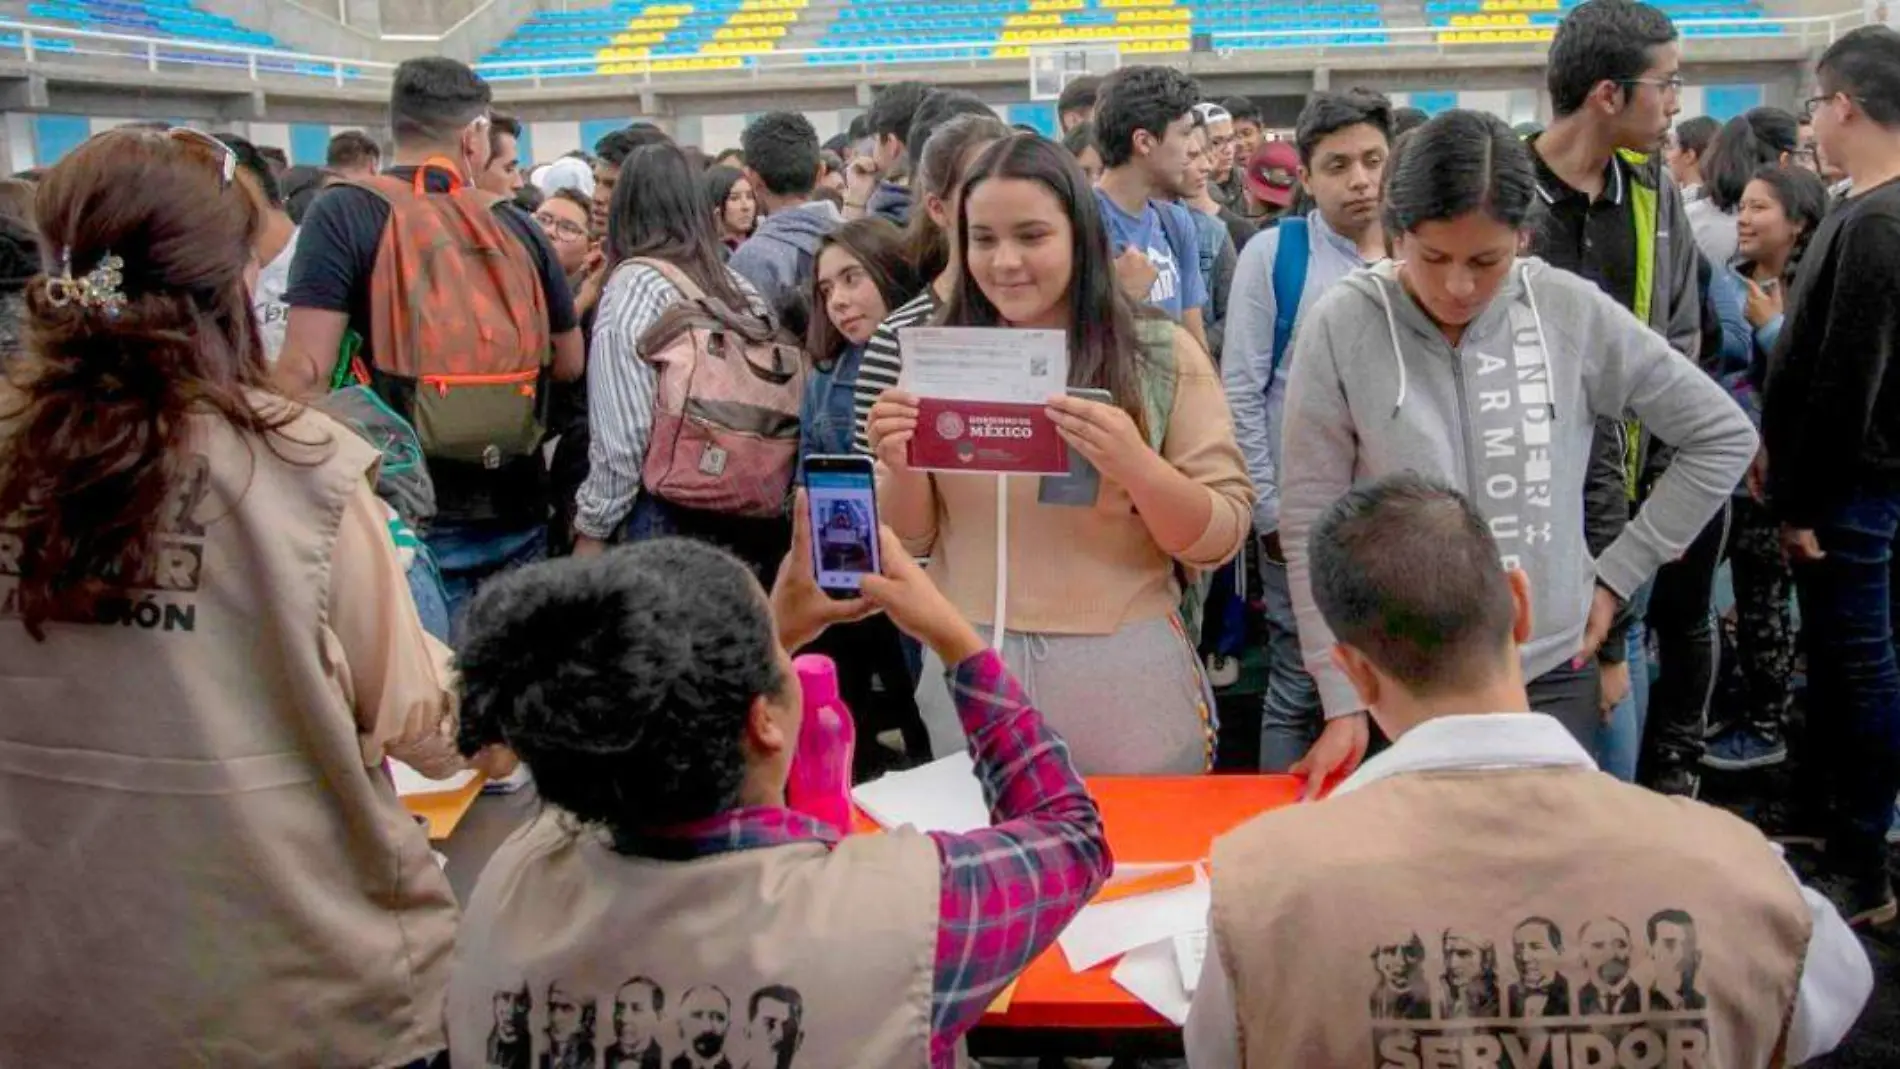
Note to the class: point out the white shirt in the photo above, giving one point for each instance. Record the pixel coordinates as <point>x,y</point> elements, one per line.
<point>267,301</point>
<point>1835,979</point>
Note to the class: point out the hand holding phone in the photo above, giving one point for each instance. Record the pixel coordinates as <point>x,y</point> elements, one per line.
<point>841,501</point>
<point>800,609</point>
<point>917,607</point>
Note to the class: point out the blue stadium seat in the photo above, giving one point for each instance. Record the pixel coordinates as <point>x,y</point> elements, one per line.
<point>151,18</point>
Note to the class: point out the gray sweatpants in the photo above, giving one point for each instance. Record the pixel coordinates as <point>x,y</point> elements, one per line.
<point>1134,703</point>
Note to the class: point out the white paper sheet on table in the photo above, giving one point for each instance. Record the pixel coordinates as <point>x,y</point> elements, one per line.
<point>408,781</point>
<point>1190,953</point>
<point>1150,974</point>
<point>1104,930</point>
<point>943,795</point>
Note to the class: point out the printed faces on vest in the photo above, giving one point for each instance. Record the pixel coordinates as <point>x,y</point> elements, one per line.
<point>645,1028</point>
<point>164,596</point>
<point>1597,995</point>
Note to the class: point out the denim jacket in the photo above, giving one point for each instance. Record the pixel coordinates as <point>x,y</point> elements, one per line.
<point>825,420</point>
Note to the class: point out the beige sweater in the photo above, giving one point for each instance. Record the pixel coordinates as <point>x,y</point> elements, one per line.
<point>1089,571</point>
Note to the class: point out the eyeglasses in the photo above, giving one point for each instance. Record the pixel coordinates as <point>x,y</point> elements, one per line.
<point>566,229</point>
<point>1813,104</point>
<point>222,154</point>
<point>1670,86</point>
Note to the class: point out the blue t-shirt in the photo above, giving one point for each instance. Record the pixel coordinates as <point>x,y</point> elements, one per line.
<point>1178,284</point>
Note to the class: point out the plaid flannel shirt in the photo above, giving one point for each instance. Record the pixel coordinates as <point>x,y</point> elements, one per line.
<point>1009,889</point>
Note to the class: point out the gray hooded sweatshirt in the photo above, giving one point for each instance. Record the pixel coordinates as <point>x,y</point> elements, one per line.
<point>779,258</point>
<point>1507,418</point>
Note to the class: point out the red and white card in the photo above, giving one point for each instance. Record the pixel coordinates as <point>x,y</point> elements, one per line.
<point>983,396</point>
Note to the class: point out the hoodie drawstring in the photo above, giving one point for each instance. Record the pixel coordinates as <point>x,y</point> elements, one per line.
<point>1543,344</point>
<point>1537,317</point>
<point>1392,325</point>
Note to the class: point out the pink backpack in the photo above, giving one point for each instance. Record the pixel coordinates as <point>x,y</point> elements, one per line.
<point>725,414</point>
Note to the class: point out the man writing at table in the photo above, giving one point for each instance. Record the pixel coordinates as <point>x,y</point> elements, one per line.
<point>651,693</point>
<point>1482,818</point>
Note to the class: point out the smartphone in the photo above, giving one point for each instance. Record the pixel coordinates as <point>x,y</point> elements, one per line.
<point>841,494</point>
<point>1083,484</point>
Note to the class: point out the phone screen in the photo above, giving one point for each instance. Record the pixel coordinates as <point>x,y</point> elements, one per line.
<point>842,496</point>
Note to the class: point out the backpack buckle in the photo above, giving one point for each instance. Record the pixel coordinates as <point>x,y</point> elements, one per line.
<point>491,457</point>
<point>712,461</point>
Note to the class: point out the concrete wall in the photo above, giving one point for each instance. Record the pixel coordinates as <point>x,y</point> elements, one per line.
<point>357,29</point>
<point>426,16</point>
<point>313,26</point>
<point>469,36</point>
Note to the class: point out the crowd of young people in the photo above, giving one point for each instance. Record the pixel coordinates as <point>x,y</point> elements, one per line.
<point>265,464</point>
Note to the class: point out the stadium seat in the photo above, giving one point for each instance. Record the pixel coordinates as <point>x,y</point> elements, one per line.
<point>892,31</point>
<point>152,18</point>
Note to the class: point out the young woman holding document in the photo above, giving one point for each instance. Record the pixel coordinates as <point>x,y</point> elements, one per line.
<point>1089,594</point>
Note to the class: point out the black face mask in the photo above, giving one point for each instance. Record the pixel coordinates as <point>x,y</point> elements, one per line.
<point>708,1044</point>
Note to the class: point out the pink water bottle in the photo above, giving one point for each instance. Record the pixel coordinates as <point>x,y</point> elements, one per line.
<point>820,783</point>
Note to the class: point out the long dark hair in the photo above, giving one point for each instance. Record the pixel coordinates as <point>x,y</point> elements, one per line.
<point>878,246</point>
<point>1104,349</point>
<point>1803,198</point>
<point>939,173</point>
<point>659,213</point>
<point>100,436</point>
<point>718,182</point>
<point>1745,145</point>
<point>1458,163</point>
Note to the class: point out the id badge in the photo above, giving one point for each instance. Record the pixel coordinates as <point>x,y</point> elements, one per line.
<point>1080,488</point>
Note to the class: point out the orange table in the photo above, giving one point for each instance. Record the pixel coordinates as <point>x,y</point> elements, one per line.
<point>1150,820</point>
<point>443,810</point>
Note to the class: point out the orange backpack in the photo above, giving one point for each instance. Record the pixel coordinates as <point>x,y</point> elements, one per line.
<point>458,322</point>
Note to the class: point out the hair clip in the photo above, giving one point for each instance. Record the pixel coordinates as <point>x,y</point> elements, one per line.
<point>98,288</point>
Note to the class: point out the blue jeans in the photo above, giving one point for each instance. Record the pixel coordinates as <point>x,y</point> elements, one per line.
<point>470,554</point>
<point>432,601</point>
<point>1620,742</point>
<point>1290,720</point>
<point>1847,609</point>
<point>760,542</point>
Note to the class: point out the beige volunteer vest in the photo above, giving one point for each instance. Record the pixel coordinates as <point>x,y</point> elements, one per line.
<point>788,957</point>
<point>196,868</point>
<point>1523,919</point>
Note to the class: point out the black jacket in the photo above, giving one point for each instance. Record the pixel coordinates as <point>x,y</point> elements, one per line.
<point>1831,413</point>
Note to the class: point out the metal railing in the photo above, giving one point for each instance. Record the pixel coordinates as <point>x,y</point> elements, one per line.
<point>40,43</point>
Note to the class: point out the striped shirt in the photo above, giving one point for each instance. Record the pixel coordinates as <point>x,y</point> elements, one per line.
<point>621,389</point>
<point>883,360</point>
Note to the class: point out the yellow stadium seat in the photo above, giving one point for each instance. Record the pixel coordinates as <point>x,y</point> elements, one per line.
<point>1155,14</point>
<point>660,10</point>
<point>1056,5</point>
<point>1009,52</point>
<point>1032,20</point>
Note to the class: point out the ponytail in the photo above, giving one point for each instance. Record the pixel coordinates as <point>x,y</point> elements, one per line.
<point>942,161</point>
<point>1746,144</point>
